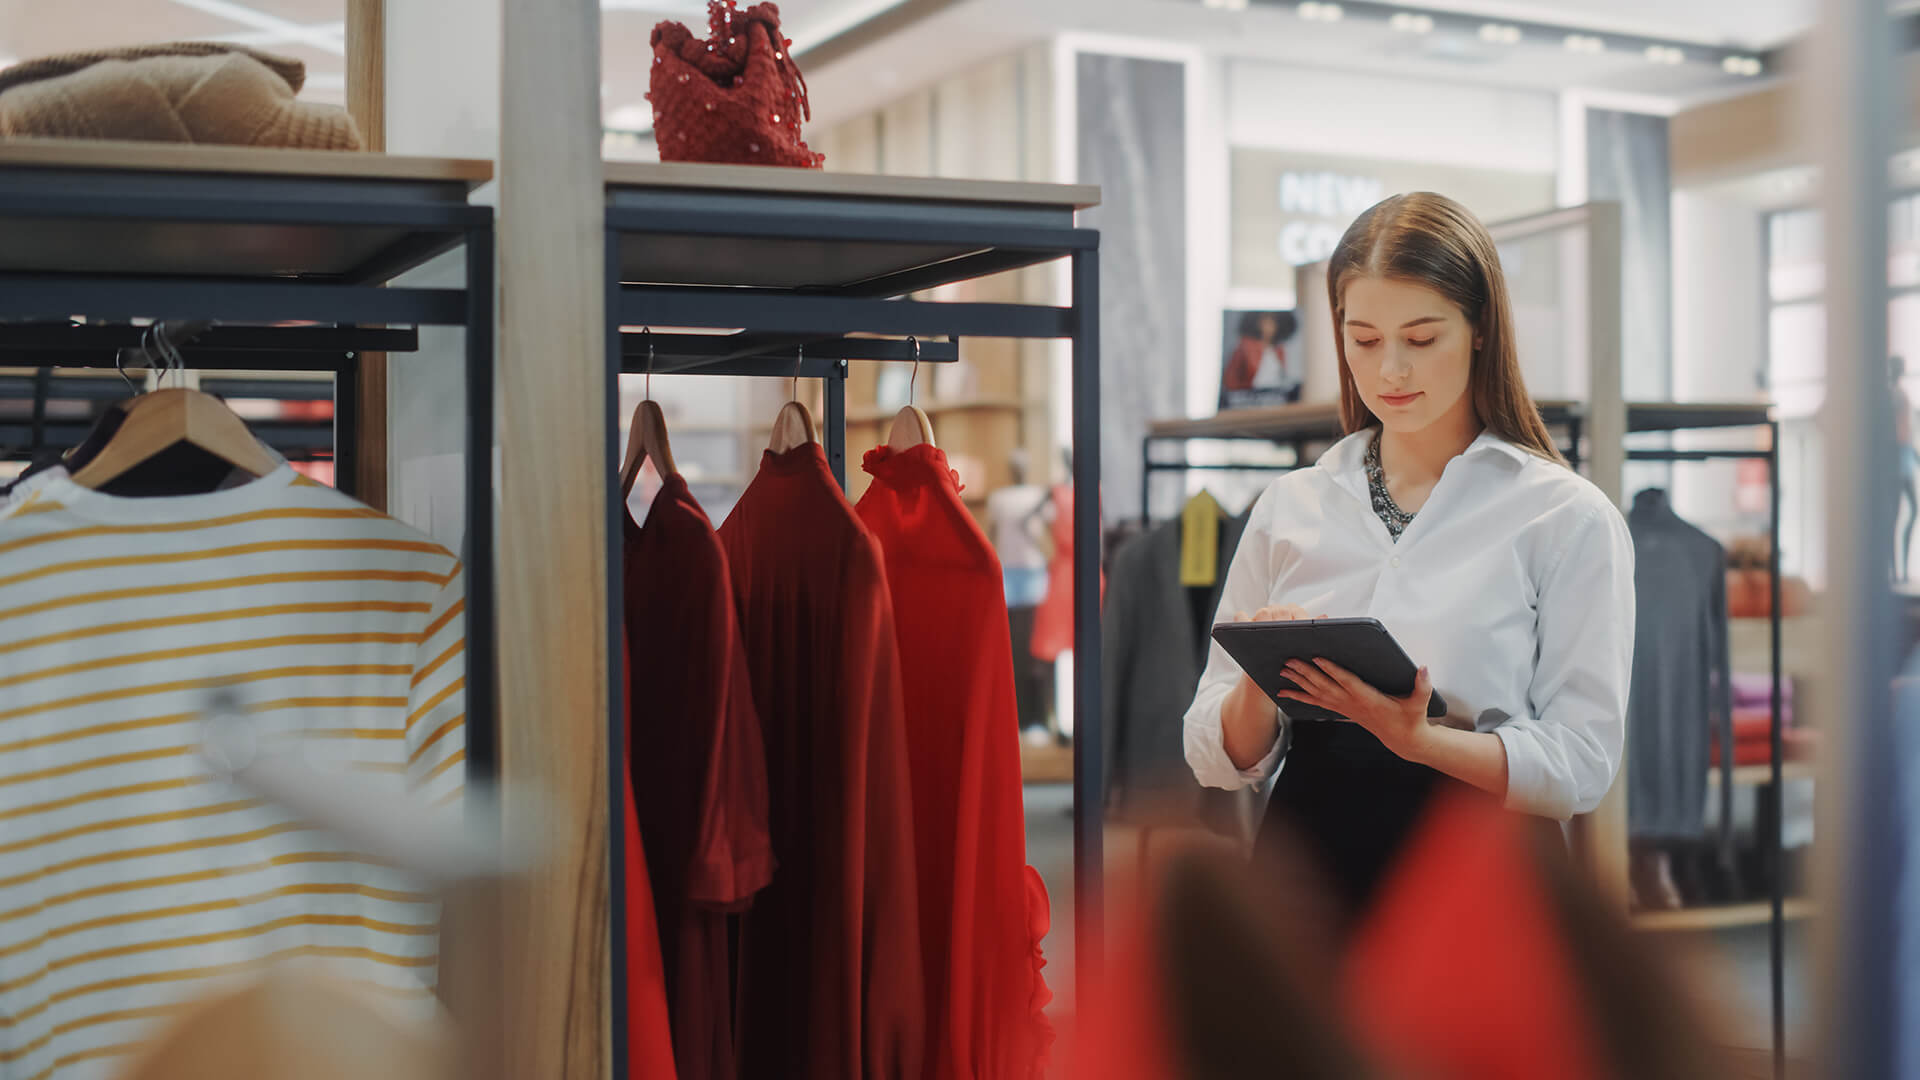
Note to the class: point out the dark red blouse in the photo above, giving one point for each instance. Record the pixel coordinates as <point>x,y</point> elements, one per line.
<point>830,962</point>
<point>698,767</point>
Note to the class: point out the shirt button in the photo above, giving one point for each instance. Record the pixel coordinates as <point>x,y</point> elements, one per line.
<point>1395,561</point>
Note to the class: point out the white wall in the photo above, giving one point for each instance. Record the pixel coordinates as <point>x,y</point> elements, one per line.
<point>1322,111</point>
<point>1720,340</point>
<point>443,100</point>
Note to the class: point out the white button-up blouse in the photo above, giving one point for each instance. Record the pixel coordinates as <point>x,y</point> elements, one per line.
<point>1513,584</point>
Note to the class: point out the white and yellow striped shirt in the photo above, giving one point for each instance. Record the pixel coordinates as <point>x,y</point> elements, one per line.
<point>131,880</point>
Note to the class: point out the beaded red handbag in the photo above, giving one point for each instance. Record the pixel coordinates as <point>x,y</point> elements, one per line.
<point>736,98</point>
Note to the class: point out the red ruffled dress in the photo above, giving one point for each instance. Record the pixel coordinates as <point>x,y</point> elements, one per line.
<point>983,910</point>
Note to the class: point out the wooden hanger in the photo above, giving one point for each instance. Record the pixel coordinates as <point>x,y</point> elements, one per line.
<point>647,435</point>
<point>167,418</point>
<point>911,427</point>
<point>793,426</point>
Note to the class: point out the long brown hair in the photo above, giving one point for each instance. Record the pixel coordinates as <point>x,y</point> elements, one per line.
<point>1430,240</point>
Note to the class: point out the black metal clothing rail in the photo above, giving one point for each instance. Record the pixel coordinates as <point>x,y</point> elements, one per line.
<point>113,245</point>
<point>51,346</point>
<point>801,272</point>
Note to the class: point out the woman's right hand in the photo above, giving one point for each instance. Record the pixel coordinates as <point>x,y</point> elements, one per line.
<point>1249,720</point>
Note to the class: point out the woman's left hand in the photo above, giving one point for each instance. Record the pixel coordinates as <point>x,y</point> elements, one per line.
<point>1400,724</point>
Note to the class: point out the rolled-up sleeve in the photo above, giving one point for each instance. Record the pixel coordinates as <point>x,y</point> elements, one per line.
<point>1249,585</point>
<point>1563,757</point>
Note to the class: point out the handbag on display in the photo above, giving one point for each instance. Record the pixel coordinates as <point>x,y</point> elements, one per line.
<point>736,98</point>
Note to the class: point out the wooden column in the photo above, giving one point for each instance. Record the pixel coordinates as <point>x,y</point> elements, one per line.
<point>367,102</point>
<point>555,474</point>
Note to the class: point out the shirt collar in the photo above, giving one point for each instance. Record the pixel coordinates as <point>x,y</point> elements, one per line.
<point>1347,455</point>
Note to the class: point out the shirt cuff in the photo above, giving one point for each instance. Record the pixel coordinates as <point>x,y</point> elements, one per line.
<point>1265,767</point>
<point>1527,788</point>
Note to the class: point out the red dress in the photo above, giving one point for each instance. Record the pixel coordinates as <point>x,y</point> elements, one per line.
<point>649,1040</point>
<point>1053,620</point>
<point>980,939</point>
<point>697,764</point>
<point>830,967</point>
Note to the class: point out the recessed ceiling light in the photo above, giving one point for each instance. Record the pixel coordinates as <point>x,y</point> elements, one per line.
<point>1665,54</point>
<point>1408,22</point>
<point>1500,34</point>
<point>1319,12</point>
<point>1740,65</point>
<point>1585,43</point>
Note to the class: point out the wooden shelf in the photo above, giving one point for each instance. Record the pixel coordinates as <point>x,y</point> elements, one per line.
<point>1046,764</point>
<point>1721,917</point>
<point>764,180</point>
<point>159,188</point>
<point>131,156</point>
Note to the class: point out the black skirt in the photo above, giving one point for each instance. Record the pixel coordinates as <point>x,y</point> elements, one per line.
<point>1353,804</point>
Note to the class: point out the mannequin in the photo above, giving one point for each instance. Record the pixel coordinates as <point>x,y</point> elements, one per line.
<point>1011,523</point>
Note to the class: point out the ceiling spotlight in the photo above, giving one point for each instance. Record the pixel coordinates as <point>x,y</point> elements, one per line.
<point>1500,34</point>
<point>1408,22</point>
<point>1585,43</point>
<point>1665,54</point>
<point>1740,65</point>
<point>1319,12</point>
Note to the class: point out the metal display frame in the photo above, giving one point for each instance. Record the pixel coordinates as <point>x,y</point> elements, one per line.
<point>803,330</point>
<point>252,211</point>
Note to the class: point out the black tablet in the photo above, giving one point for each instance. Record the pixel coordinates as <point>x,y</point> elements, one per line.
<point>1362,646</point>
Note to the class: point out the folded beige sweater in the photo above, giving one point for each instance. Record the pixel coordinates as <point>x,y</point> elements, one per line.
<point>200,92</point>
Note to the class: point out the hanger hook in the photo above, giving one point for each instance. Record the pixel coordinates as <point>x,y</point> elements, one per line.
<point>647,333</point>
<point>799,359</point>
<point>176,362</point>
<point>120,365</point>
<point>913,379</point>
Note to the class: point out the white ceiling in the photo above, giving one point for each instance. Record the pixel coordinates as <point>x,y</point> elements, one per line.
<point>971,30</point>
<point>1754,24</point>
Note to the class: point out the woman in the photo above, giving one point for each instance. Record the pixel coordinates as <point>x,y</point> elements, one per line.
<point>1259,361</point>
<point>1447,514</point>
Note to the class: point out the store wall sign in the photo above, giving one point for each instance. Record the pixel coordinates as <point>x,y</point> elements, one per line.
<point>1290,209</point>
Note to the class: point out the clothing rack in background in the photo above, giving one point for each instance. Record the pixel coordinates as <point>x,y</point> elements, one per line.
<point>117,232</point>
<point>804,261</point>
<point>1309,429</point>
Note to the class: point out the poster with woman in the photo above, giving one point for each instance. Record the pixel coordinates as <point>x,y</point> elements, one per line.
<point>1265,364</point>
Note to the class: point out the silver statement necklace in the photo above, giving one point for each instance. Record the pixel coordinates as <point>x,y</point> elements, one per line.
<point>1395,519</point>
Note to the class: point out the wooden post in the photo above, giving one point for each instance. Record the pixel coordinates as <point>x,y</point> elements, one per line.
<point>555,474</point>
<point>367,102</point>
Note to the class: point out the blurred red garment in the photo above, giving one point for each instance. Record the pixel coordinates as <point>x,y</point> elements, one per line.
<point>649,1035</point>
<point>980,937</point>
<point>1459,971</point>
<point>1053,620</point>
<point>830,966</point>
<point>698,767</point>
<point>1122,1028</point>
